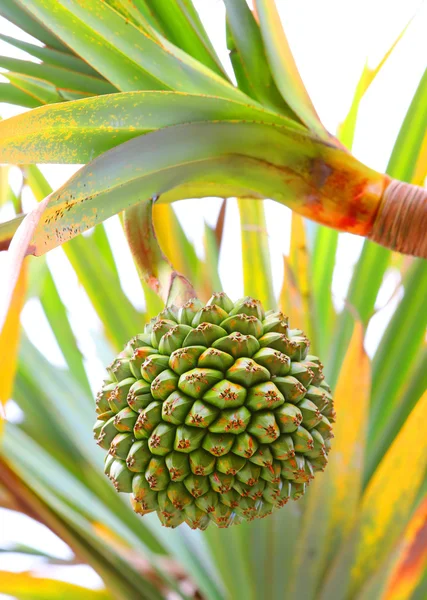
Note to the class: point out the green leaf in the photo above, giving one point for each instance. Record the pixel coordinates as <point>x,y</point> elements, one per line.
<point>199,159</point>
<point>211,277</point>
<point>94,125</point>
<point>256,252</point>
<point>348,127</point>
<point>375,259</point>
<point>333,498</point>
<point>56,314</point>
<point>12,95</point>
<point>412,389</point>
<point>174,242</point>
<point>385,509</point>
<point>135,60</point>
<point>411,135</point>
<point>153,266</point>
<point>361,296</point>
<point>95,273</point>
<point>283,66</point>
<point>61,78</point>
<point>181,25</point>
<point>247,55</point>
<point>43,91</point>
<point>52,56</point>
<point>322,263</point>
<point>398,349</point>
<point>230,556</point>
<point>13,12</point>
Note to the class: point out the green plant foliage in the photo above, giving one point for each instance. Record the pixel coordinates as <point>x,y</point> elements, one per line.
<point>136,92</point>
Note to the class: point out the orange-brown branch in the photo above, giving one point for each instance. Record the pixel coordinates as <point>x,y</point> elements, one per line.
<point>401,221</point>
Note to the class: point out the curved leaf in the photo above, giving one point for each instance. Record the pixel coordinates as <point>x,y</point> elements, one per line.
<point>205,159</point>
<point>94,125</point>
<point>153,266</point>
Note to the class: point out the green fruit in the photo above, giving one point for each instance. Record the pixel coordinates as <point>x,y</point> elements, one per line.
<point>214,413</point>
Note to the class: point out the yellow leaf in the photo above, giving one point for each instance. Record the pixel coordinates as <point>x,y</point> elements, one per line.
<point>27,587</point>
<point>295,296</point>
<point>345,467</point>
<point>333,497</point>
<point>412,561</point>
<point>164,220</point>
<point>388,500</point>
<point>9,338</point>
<point>419,173</point>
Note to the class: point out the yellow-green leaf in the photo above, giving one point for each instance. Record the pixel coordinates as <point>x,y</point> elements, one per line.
<point>295,296</point>
<point>25,586</point>
<point>283,66</point>
<point>388,499</point>
<point>345,468</point>
<point>9,339</point>
<point>412,562</point>
<point>255,251</point>
<point>334,496</point>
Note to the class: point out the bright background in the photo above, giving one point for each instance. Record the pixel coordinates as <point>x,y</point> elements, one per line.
<point>331,41</point>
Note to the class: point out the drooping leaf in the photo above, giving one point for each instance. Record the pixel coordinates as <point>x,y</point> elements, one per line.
<point>97,124</point>
<point>95,273</point>
<point>153,266</point>
<point>182,161</point>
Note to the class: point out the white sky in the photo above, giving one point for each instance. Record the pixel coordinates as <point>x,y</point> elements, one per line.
<point>331,39</point>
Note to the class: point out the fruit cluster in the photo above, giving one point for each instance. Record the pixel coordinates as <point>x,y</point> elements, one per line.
<point>214,413</point>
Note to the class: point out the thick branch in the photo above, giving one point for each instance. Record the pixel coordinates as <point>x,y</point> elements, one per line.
<point>401,222</point>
